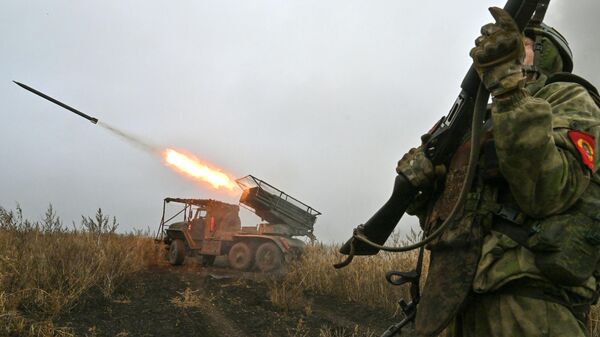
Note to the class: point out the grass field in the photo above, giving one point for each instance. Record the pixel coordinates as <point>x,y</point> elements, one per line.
<point>48,269</point>
<point>362,281</point>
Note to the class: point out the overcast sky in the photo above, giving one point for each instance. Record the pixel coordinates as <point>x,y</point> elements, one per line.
<point>319,98</point>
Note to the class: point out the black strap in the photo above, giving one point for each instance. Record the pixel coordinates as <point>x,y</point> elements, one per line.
<point>531,288</point>
<point>540,12</point>
<point>475,203</point>
<point>527,287</point>
<point>518,233</point>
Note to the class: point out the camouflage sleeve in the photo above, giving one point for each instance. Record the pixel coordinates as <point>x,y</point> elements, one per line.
<point>543,169</point>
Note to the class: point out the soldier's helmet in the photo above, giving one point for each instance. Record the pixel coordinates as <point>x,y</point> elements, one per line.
<point>552,50</point>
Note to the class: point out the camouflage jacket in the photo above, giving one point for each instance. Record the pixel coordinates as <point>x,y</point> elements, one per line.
<point>545,171</point>
<point>536,170</point>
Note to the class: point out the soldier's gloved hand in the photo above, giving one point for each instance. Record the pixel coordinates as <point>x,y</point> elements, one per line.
<point>417,168</point>
<point>498,54</point>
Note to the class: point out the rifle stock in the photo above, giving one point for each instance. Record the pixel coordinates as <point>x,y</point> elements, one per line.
<point>379,227</point>
<point>445,139</point>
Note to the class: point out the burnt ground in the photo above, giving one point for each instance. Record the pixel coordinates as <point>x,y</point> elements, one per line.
<point>219,303</point>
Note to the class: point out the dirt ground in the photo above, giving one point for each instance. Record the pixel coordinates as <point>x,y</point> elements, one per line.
<point>215,302</point>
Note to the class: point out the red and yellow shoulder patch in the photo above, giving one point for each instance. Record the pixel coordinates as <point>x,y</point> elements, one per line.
<point>585,144</point>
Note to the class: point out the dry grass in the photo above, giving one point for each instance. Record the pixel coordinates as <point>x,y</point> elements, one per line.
<point>594,321</point>
<point>46,268</point>
<point>356,332</point>
<point>187,299</point>
<point>301,330</point>
<point>288,295</point>
<point>361,282</point>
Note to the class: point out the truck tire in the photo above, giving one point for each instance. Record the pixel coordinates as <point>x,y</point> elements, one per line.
<point>176,252</point>
<point>240,256</point>
<point>269,257</point>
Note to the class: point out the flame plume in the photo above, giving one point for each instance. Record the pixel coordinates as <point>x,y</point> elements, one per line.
<point>186,164</point>
<point>192,167</point>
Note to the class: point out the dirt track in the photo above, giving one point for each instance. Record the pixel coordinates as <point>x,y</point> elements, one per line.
<point>227,303</point>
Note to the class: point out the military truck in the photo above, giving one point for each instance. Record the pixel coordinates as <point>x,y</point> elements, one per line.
<point>209,228</point>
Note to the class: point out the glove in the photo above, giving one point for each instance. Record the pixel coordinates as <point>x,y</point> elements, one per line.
<point>498,54</point>
<point>417,168</point>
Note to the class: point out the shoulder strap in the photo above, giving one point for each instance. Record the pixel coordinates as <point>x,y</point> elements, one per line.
<point>520,234</point>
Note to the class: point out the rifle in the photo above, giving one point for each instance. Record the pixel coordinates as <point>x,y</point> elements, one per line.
<point>445,137</point>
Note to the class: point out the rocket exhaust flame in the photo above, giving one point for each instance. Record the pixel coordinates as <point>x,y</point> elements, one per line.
<point>179,162</point>
<point>182,163</point>
<point>192,167</point>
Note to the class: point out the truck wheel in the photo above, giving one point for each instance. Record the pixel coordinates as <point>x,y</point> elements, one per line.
<point>176,252</point>
<point>268,257</point>
<point>240,256</point>
<point>207,260</point>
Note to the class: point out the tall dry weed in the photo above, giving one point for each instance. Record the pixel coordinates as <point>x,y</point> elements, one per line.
<point>356,332</point>
<point>363,281</point>
<point>46,268</point>
<point>594,321</point>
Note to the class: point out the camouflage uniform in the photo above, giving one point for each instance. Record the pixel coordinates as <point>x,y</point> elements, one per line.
<point>545,175</point>
<point>485,276</point>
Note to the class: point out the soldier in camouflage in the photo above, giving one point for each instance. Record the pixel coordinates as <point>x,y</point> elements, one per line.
<point>521,258</point>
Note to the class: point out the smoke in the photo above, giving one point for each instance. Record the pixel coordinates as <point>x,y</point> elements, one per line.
<point>131,139</point>
<point>186,164</point>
